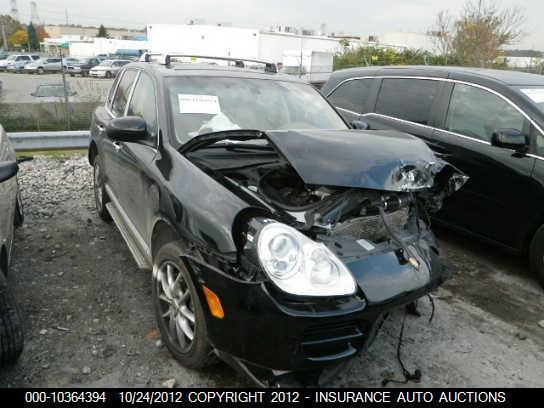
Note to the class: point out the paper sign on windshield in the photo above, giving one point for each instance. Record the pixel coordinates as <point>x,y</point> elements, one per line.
<point>536,94</point>
<point>208,104</point>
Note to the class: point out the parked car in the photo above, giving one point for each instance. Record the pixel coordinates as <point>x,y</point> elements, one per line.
<point>53,92</point>
<point>4,60</point>
<point>66,62</point>
<point>11,216</point>
<point>17,62</point>
<point>108,68</point>
<point>82,67</point>
<point>274,248</point>
<point>102,57</point>
<point>43,65</point>
<point>488,123</point>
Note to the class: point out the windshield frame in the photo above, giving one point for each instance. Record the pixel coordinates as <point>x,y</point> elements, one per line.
<point>176,143</point>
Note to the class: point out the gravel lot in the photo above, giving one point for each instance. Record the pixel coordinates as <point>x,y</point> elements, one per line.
<point>89,321</point>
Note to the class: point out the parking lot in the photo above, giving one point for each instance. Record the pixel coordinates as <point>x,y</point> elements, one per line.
<point>89,321</point>
<point>17,88</point>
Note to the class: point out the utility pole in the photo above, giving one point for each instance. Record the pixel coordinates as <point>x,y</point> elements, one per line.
<point>65,85</point>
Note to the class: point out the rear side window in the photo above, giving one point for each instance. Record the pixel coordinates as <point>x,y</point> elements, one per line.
<point>143,103</point>
<point>121,95</point>
<point>478,113</point>
<point>352,95</point>
<point>408,99</point>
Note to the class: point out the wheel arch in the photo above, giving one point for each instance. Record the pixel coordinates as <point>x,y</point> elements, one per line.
<point>163,232</point>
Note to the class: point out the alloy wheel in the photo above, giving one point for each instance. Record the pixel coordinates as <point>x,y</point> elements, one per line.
<point>176,305</point>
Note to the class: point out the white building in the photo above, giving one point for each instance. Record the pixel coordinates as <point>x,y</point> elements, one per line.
<point>95,46</point>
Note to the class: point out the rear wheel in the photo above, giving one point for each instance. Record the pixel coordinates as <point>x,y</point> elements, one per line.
<point>108,74</point>
<point>536,255</point>
<point>11,327</point>
<point>179,314</point>
<point>40,70</point>
<point>100,196</point>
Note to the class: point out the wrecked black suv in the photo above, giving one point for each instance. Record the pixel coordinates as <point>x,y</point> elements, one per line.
<point>277,235</point>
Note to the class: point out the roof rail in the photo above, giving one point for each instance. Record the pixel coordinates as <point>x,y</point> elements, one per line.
<point>239,62</point>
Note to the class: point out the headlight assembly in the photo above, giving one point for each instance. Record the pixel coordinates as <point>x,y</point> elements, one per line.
<point>300,266</point>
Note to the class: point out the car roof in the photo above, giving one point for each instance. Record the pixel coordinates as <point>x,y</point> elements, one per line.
<point>506,77</point>
<point>204,69</point>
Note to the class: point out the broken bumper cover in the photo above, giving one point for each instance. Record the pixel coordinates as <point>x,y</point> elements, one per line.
<point>265,329</point>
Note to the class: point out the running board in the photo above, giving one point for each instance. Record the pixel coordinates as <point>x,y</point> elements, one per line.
<point>138,256</point>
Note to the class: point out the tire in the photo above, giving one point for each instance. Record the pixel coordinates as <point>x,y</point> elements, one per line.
<point>536,255</point>
<point>72,75</point>
<point>11,326</point>
<point>40,71</point>
<point>19,212</point>
<point>108,74</point>
<point>192,353</point>
<point>100,196</point>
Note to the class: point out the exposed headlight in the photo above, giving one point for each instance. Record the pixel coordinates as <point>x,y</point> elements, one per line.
<point>300,266</point>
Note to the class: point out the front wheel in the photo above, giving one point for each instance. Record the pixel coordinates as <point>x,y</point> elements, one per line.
<point>11,325</point>
<point>536,255</point>
<point>40,71</point>
<point>178,311</point>
<point>100,195</point>
<point>108,74</point>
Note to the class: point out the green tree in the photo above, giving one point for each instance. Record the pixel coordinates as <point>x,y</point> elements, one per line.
<point>33,40</point>
<point>102,32</point>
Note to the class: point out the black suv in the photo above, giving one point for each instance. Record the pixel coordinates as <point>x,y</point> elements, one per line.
<point>488,123</point>
<point>277,236</point>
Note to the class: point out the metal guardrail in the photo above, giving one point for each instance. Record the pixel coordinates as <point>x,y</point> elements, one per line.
<point>64,140</point>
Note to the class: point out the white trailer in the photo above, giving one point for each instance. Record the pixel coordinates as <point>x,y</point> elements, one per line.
<point>312,66</point>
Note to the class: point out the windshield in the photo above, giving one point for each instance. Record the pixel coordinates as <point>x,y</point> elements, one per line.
<point>11,57</point>
<point>210,104</point>
<point>106,63</point>
<point>50,90</point>
<point>535,94</point>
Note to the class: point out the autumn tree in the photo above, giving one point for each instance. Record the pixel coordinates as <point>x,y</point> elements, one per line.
<point>10,26</point>
<point>480,32</point>
<point>19,38</point>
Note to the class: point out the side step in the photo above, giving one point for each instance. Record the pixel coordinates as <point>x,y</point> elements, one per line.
<point>137,254</point>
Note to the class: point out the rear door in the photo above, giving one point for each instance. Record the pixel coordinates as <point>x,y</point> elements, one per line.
<point>497,201</point>
<point>408,105</point>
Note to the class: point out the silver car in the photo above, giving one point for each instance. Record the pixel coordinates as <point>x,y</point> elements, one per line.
<point>43,65</point>
<point>108,68</point>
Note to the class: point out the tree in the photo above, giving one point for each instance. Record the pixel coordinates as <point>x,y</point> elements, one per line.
<point>19,38</point>
<point>42,34</point>
<point>33,40</point>
<point>102,32</point>
<point>10,26</point>
<point>479,34</point>
<point>441,33</point>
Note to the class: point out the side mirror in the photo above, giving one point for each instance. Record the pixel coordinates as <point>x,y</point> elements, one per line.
<point>360,125</point>
<point>8,169</point>
<point>510,139</point>
<point>127,129</point>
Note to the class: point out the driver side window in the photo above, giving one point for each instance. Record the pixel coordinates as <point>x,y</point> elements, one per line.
<point>477,113</point>
<point>143,103</point>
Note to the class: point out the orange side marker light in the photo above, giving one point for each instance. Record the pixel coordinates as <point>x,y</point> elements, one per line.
<point>214,303</point>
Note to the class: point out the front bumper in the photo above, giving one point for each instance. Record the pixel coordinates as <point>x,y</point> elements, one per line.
<point>97,74</point>
<point>265,329</point>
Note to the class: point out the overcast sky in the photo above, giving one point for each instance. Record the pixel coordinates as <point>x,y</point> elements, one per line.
<point>361,17</point>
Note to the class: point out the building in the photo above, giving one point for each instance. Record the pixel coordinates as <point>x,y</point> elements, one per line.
<point>85,33</point>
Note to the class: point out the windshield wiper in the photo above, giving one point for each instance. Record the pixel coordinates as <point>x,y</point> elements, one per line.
<point>208,139</point>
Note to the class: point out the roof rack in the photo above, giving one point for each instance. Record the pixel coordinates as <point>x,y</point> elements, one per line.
<point>239,62</point>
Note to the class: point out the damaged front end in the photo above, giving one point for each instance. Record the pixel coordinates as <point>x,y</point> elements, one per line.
<point>336,234</point>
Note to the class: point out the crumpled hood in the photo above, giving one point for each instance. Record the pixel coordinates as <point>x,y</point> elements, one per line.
<point>377,159</point>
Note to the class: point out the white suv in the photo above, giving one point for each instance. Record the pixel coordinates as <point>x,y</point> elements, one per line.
<point>17,62</point>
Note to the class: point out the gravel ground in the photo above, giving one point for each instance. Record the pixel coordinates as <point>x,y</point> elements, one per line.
<point>89,320</point>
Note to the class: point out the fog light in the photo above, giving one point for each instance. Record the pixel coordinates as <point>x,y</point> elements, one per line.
<point>213,303</point>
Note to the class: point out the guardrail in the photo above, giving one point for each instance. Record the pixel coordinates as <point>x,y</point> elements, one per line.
<point>64,140</point>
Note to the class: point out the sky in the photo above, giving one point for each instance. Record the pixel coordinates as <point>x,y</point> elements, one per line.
<point>358,17</point>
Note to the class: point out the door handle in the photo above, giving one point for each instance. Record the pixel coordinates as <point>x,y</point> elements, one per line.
<point>117,146</point>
